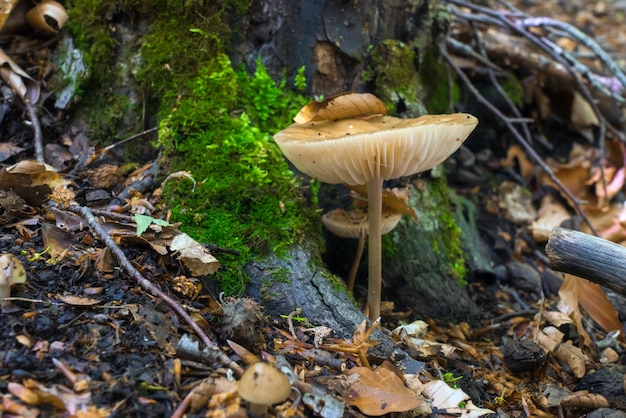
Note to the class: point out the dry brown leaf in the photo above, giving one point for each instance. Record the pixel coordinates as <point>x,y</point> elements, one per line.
<point>570,297</point>
<point>584,399</point>
<point>551,214</point>
<point>515,156</point>
<point>24,85</point>
<point>381,391</point>
<point>7,150</point>
<point>594,301</point>
<point>58,242</point>
<point>243,353</point>
<point>5,10</point>
<point>342,106</point>
<point>549,338</point>
<point>195,257</point>
<point>24,394</point>
<point>396,199</point>
<point>47,16</point>
<point>573,356</point>
<point>77,300</point>
<point>516,202</point>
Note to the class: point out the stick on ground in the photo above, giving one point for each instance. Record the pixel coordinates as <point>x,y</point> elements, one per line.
<point>595,259</point>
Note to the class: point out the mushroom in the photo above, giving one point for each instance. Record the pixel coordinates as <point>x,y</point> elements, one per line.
<point>355,224</point>
<point>262,385</point>
<point>11,272</point>
<point>368,150</point>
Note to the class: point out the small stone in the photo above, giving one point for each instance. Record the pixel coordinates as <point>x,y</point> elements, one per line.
<point>523,356</point>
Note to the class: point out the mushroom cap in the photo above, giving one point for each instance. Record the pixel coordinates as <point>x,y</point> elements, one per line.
<point>355,150</point>
<point>355,223</point>
<point>262,383</point>
<point>11,270</point>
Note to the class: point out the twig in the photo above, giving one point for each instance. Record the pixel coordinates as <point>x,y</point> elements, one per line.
<point>38,137</point>
<point>149,286</point>
<point>520,139</point>
<point>130,138</point>
<point>582,38</point>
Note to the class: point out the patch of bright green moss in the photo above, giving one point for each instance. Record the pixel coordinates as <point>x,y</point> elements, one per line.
<point>453,244</point>
<point>246,197</point>
<point>513,88</point>
<point>177,38</point>
<point>433,79</point>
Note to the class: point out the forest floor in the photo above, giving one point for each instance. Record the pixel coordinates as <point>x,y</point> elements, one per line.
<point>83,337</point>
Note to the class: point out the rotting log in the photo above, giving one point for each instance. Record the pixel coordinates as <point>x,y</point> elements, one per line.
<point>595,259</point>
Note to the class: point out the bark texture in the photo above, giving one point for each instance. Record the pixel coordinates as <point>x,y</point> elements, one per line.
<point>331,38</point>
<point>593,258</point>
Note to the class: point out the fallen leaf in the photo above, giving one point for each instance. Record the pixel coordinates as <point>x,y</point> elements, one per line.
<point>47,16</point>
<point>195,257</point>
<point>381,391</point>
<point>78,301</point>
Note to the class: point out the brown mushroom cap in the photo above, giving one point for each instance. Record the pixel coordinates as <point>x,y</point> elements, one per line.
<point>263,384</point>
<point>353,151</point>
<point>355,223</point>
<point>11,272</point>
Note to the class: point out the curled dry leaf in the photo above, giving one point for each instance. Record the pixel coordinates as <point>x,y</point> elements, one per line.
<point>24,85</point>
<point>47,16</point>
<point>342,106</point>
<point>5,10</point>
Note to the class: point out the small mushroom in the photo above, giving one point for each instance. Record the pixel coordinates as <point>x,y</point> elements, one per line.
<point>355,224</point>
<point>262,385</point>
<point>11,272</point>
<point>368,150</point>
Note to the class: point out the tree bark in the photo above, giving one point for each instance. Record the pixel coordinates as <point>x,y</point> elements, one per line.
<point>593,258</point>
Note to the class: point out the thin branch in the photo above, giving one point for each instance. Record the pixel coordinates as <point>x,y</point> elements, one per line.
<point>529,150</point>
<point>37,137</point>
<point>149,286</point>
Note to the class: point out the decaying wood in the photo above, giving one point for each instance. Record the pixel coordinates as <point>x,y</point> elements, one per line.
<point>593,258</point>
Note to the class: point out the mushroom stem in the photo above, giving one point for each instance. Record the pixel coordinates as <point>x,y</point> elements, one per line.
<point>356,262</point>
<point>374,211</point>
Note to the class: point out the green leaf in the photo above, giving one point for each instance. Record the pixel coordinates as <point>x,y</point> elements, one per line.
<point>143,223</point>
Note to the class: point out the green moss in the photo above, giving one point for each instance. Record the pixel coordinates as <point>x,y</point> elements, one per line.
<point>213,120</point>
<point>438,95</point>
<point>452,244</point>
<point>246,198</point>
<point>392,69</point>
<point>181,36</point>
<point>338,284</point>
<point>513,88</point>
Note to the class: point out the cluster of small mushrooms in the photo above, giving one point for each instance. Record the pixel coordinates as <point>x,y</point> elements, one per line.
<point>349,139</point>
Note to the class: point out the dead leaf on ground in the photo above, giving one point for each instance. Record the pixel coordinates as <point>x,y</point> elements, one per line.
<point>194,256</point>
<point>381,391</point>
<point>577,291</point>
<point>551,214</point>
<point>26,87</point>
<point>449,399</point>
<point>47,16</point>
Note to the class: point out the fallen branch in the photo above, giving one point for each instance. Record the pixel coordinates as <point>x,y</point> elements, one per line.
<point>151,287</point>
<point>595,259</point>
<point>37,135</point>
